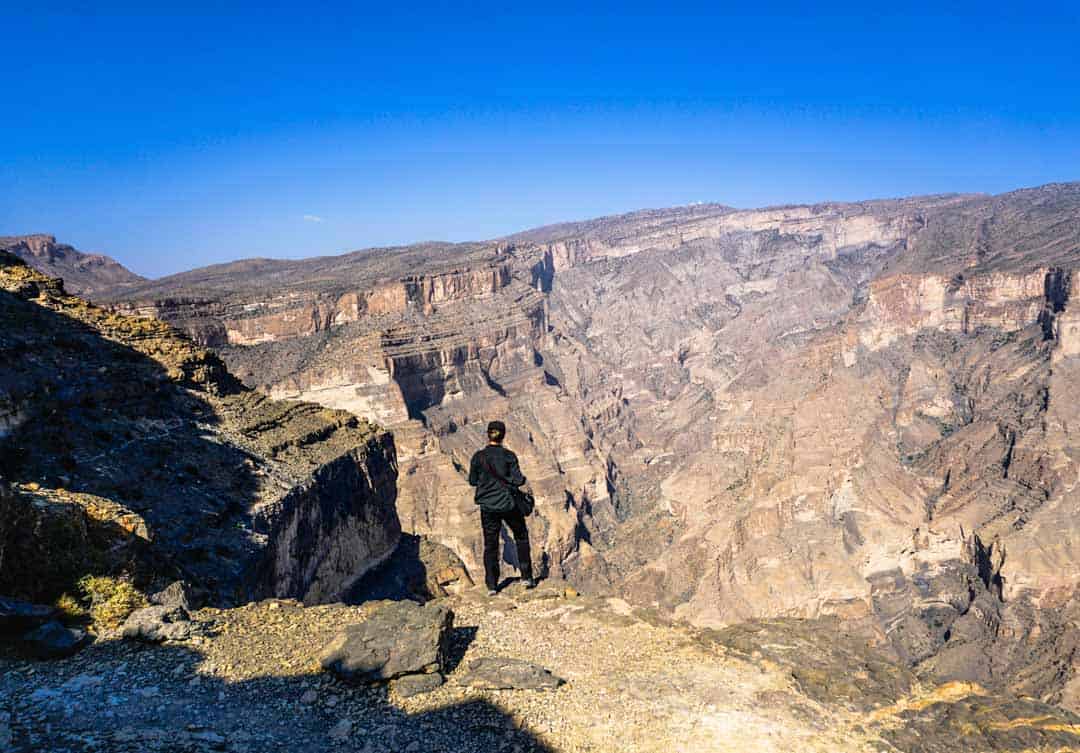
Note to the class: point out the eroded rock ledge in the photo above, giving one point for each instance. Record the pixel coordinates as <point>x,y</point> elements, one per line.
<point>181,471</point>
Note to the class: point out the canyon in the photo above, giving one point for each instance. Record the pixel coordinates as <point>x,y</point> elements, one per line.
<point>860,412</point>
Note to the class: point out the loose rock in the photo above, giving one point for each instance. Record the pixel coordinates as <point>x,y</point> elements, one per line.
<point>499,673</point>
<point>159,623</point>
<point>412,685</point>
<point>79,683</point>
<point>19,616</point>
<point>5,731</point>
<point>341,730</point>
<point>54,641</point>
<point>400,638</point>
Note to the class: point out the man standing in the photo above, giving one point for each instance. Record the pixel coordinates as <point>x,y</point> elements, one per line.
<point>494,471</point>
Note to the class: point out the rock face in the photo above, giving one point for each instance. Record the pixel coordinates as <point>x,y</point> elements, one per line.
<point>432,341</point>
<point>861,411</point>
<point>132,447</point>
<point>83,274</point>
<point>419,570</point>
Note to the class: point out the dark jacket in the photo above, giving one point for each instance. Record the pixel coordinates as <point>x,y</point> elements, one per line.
<point>492,494</point>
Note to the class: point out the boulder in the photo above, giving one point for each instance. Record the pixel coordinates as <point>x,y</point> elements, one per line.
<point>17,617</point>
<point>500,673</point>
<point>53,641</point>
<point>179,594</point>
<point>411,685</point>
<point>400,638</point>
<point>158,623</point>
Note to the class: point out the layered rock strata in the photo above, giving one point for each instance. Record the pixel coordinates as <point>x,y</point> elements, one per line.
<point>432,356</point>
<point>852,410</point>
<point>129,424</point>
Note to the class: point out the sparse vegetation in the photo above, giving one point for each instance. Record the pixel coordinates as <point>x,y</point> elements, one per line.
<point>71,609</point>
<point>111,599</point>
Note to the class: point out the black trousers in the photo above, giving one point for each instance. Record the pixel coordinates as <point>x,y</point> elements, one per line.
<point>491,522</point>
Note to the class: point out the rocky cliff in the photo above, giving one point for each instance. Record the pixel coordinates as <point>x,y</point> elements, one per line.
<point>432,343</point>
<point>859,411</point>
<point>124,431</point>
<point>83,274</point>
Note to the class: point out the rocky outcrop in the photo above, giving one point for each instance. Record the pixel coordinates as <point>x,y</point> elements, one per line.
<point>142,452</point>
<point>83,274</point>
<point>157,623</point>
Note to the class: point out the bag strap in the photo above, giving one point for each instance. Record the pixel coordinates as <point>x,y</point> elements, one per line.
<point>491,470</point>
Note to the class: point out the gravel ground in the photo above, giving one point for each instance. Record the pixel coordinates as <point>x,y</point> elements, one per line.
<point>253,683</point>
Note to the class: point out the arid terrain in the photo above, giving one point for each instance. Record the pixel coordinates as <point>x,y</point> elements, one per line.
<point>826,455</point>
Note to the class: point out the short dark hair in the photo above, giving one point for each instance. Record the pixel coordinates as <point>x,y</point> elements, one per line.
<point>496,431</point>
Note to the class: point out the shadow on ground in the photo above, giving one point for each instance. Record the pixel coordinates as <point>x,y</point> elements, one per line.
<point>130,697</point>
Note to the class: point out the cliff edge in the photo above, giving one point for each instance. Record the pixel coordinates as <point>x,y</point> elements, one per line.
<point>164,466</point>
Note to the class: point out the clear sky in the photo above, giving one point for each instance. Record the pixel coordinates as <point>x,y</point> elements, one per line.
<point>174,139</point>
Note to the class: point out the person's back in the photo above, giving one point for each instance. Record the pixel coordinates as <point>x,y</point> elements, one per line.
<point>488,466</point>
<point>495,472</point>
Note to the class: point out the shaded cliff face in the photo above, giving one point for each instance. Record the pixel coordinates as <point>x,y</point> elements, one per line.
<point>127,424</point>
<point>83,274</point>
<point>860,410</point>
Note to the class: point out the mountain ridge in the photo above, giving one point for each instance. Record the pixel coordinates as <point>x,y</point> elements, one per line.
<point>114,282</point>
<point>84,273</point>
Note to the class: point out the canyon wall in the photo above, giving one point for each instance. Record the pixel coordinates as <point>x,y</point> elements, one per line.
<point>859,410</point>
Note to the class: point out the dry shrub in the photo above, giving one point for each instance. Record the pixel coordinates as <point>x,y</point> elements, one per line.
<point>71,610</point>
<point>111,599</point>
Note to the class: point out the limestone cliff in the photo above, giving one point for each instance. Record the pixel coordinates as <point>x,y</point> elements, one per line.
<point>432,355</point>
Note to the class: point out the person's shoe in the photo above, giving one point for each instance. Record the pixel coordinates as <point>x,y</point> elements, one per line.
<point>530,583</point>
<point>492,592</point>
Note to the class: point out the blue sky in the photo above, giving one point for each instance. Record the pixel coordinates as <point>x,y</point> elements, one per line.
<point>173,139</point>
